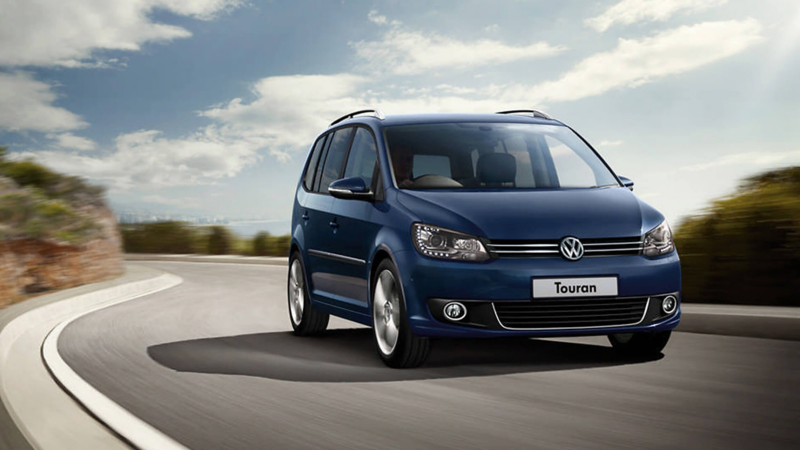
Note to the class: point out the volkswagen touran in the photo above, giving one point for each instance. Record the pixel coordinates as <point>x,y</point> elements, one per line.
<point>432,226</point>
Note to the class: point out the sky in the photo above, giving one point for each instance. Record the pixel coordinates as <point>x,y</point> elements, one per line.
<point>208,107</point>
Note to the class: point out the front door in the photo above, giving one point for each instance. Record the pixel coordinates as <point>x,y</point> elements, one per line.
<point>355,234</point>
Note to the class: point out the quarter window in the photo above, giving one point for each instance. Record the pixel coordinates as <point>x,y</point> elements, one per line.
<point>308,178</point>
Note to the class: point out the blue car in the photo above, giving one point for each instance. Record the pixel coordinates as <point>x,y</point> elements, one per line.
<point>432,226</point>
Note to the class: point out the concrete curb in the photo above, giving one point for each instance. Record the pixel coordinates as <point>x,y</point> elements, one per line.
<point>229,259</point>
<point>37,412</point>
<point>134,430</point>
<point>744,321</point>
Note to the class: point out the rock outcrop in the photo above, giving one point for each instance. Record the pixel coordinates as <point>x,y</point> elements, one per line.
<point>31,264</point>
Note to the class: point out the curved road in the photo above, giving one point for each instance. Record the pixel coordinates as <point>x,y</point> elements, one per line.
<point>211,363</point>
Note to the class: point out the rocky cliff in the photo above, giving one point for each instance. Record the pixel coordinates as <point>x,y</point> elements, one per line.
<point>53,235</point>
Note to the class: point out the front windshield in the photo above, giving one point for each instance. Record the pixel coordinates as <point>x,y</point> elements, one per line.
<point>493,156</point>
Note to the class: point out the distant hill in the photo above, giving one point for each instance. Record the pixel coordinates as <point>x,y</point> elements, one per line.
<point>745,249</point>
<point>55,231</point>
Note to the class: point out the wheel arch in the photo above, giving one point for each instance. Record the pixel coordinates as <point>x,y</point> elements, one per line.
<point>382,252</point>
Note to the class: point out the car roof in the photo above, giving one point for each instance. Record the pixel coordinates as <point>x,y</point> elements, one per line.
<point>418,119</point>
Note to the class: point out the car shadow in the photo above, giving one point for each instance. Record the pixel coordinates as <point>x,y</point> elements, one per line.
<point>349,355</point>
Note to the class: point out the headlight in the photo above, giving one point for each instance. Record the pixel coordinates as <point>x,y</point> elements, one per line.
<point>658,241</point>
<point>447,244</point>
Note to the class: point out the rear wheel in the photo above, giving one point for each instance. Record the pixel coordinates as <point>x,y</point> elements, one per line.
<point>640,344</point>
<point>305,320</point>
<point>397,346</point>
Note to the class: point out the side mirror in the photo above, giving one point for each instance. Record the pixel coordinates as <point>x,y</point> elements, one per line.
<point>627,182</point>
<point>350,189</point>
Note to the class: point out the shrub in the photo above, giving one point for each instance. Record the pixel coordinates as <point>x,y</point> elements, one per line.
<point>261,244</point>
<point>281,245</point>
<point>26,213</point>
<point>159,237</point>
<point>745,249</point>
<point>73,190</point>
<point>219,241</point>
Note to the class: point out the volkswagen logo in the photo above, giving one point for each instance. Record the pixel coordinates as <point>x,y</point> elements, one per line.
<point>571,248</point>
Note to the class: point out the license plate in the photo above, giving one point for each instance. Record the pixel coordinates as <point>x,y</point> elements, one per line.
<point>574,287</point>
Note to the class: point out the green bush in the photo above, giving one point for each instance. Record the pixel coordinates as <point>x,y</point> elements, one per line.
<point>745,249</point>
<point>219,241</point>
<point>51,184</point>
<point>280,246</point>
<point>261,244</point>
<point>26,213</point>
<point>37,203</point>
<point>159,237</point>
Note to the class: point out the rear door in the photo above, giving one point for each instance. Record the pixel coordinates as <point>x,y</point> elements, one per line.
<point>310,205</point>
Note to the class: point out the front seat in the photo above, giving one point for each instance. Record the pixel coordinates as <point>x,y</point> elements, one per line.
<point>497,170</point>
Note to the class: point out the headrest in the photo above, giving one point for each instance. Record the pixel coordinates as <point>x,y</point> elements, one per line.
<point>497,168</point>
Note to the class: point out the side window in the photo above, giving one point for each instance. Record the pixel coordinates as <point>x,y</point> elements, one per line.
<point>431,165</point>
<point>572,170</point>
<point>332,170</point>
<point>308,177</point>
<point>363,157</point>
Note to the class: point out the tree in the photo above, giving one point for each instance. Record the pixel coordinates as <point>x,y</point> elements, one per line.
<point>219,241</point>
<point>261,244</point>
<point>745,249</point>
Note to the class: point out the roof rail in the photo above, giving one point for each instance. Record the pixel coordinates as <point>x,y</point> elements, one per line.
<point>376,112</point>
<point>534,112</point>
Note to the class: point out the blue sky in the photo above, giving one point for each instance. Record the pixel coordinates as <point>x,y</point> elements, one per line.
<point>209,106</point>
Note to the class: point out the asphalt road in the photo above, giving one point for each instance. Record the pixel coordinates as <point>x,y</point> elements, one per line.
<point>212,364</point>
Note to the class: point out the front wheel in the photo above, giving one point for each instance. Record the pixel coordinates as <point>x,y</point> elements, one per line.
<point>305,320</point>
<point>397,345</point>
<point>640,344</point>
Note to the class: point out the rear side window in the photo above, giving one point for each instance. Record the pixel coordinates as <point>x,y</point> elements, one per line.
<point>308,177</point>
<point>363,157</point>
<point>332,170</point>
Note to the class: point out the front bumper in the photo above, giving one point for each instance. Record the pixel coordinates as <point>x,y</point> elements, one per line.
<point>428,283</point>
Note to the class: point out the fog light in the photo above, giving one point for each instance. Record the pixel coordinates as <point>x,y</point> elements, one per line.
<point>455,311</point>
<point>669,304</point>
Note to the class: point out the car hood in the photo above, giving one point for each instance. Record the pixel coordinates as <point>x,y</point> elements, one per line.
<point>535,214</point>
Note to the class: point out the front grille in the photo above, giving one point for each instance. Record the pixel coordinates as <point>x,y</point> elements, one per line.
<point>571,312</point>
<point>592,247</point>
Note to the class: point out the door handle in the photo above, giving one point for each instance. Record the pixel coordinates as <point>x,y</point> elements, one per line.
<point>305,216</point>
<point>334,225</point>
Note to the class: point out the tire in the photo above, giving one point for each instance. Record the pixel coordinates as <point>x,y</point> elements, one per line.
<point>306,321</point>
<point>640,344</point>
<point>389,319</point>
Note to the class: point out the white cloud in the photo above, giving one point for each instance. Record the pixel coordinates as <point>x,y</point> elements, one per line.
<point>27,104</point>
<point>493,28</point>
<point>374,17</point>
<point>145,160</point>
<point>67,33</point>
<point>70,141</point>
<point>405,52</point>
<point>627,12</point>
<point>289,110</point>
<point>607,143</point>
<point>286,112</point>
<point>61,33</point>
<point>636,62</point>
<point>748,158</point>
